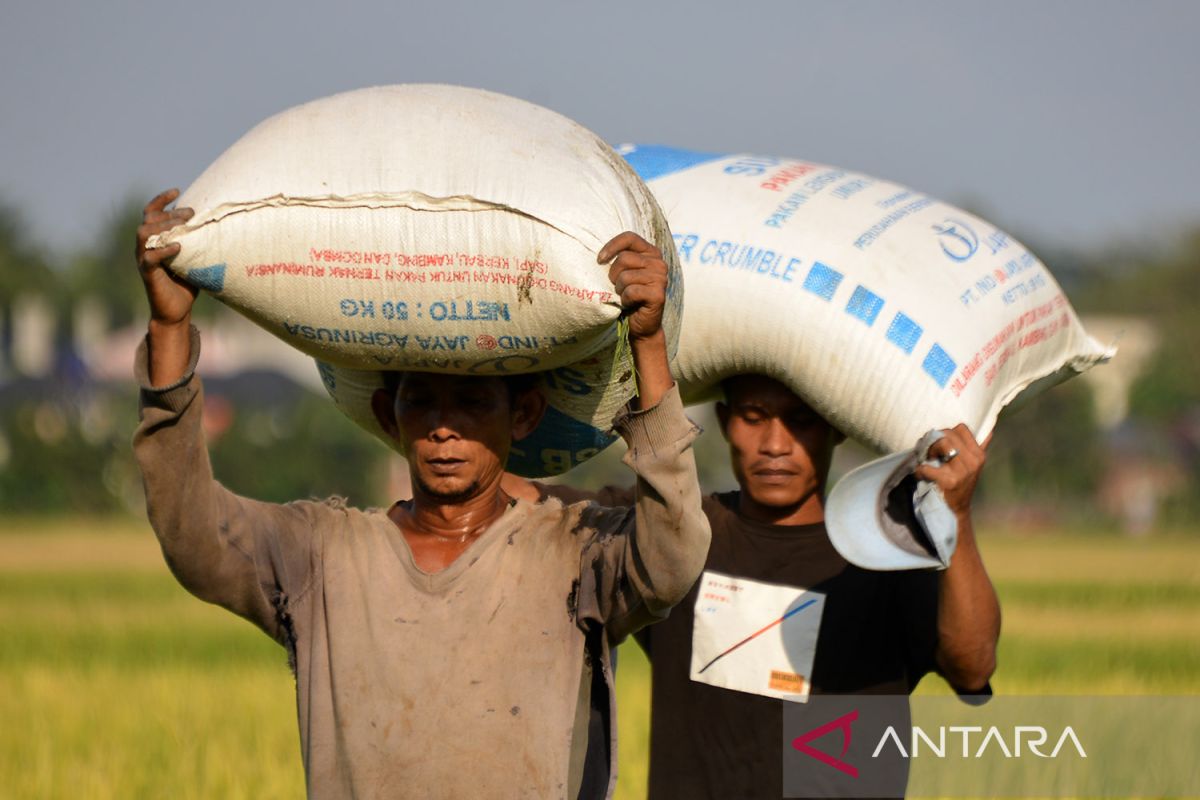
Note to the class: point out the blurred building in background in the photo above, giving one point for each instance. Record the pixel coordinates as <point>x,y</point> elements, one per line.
<point>1119,447</point>
<point>68,408</point>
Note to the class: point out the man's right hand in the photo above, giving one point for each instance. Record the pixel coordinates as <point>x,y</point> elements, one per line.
<point>170,297</point>
<point>168,338</point>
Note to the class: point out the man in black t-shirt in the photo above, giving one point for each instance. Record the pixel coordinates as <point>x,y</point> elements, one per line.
<point>716,713</point>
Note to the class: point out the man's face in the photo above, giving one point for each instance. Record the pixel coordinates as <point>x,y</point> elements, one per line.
<point>780,448</point>
<point>457,430</point>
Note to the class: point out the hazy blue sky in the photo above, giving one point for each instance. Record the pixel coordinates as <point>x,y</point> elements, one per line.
<point>1074,122</point>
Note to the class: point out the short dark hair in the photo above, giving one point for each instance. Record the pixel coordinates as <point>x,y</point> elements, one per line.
<point>517,385</point>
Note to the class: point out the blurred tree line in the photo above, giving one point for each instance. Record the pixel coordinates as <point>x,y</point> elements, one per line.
<point>64,437</point>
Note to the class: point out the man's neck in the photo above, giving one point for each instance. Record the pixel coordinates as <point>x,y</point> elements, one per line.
<point>810,511</point>
<point>460,518</point>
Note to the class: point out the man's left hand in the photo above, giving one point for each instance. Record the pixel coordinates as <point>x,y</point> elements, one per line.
<point>639,275</point>
<point>962,460</point>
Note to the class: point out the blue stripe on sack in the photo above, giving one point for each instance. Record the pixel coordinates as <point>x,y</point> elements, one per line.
<point>939,365</point>
<point>557,444</point>
<point>822,281</point>
<point>210,278</point>
<point>865,305</point>
<point>652,161</point>
<point>904,333</point>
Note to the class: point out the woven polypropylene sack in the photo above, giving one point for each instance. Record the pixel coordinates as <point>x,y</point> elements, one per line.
<point>435,228</point>
<point>889,312</point>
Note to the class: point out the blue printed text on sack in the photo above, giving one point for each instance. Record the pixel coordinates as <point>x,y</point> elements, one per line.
<point>737,255</point>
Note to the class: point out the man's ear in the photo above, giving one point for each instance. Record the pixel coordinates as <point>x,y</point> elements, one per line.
<point>528,409</point>
<point>723,419</point>
<point>383,405</point>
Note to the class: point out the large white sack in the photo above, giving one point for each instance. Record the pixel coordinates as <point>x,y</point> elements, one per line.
<point>436,228</point>
<point>889,312</point>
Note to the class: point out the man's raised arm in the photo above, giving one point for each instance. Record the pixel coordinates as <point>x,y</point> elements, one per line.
<point>632,579</point>
<point>968,617</point>
<point>241,554</point>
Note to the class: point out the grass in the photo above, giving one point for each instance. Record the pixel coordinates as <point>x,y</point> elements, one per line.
<point>115,683</point>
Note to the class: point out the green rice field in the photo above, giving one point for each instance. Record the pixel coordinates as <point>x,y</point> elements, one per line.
<point>115,683</point>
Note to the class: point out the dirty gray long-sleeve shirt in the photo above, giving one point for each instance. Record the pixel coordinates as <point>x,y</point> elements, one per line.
<point>475,681</point>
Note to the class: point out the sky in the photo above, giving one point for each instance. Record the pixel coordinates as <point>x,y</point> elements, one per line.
<point>1069,122</point>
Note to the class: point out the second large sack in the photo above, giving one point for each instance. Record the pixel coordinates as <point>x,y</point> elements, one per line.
<point>435,228</point>
<point>889,312</point>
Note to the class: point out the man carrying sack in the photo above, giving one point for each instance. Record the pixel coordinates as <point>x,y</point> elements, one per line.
<point>727,659</point>
<point>455,645</point>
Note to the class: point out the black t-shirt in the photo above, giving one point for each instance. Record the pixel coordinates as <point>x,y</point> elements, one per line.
<point>877,635</point>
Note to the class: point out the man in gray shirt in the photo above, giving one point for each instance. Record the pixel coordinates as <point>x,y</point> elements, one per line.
<point>455,645</point>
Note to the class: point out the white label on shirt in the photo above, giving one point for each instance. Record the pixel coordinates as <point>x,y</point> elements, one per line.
<point>755,637</point>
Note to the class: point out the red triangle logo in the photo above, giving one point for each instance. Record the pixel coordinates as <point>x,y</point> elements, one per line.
<point>842,723</point>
